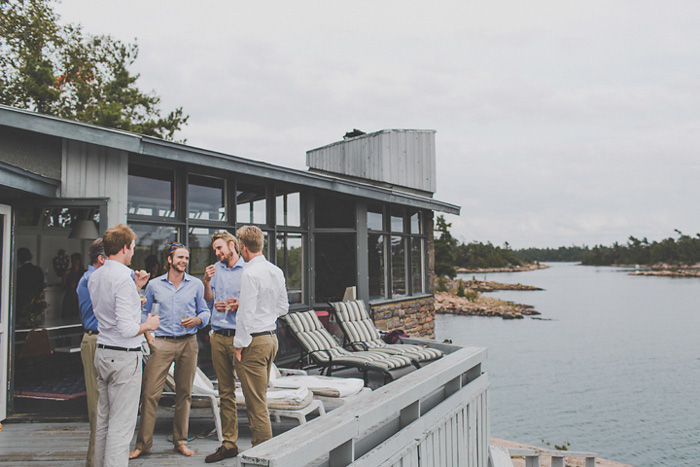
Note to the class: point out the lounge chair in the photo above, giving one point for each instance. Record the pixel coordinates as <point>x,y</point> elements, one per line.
<point>330,390</point>
<point>323,349</point>
<point>361,334</point>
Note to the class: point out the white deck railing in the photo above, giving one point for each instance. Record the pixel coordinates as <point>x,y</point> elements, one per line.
<point>434,416</point>
<point>500,456</point>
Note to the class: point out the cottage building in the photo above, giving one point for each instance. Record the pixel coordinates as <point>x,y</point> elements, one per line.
<point>361,216</point>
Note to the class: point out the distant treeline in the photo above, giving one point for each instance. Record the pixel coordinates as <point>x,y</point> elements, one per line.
<point>561,254</point>
<point>450,254</point>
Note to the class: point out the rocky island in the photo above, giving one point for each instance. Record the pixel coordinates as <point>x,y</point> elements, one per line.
<point>468,299</point>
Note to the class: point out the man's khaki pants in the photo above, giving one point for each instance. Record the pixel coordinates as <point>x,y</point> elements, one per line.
<point>87,355</point>
<point>165,351</point>
<point>254,373</point>
<point>223,356</point>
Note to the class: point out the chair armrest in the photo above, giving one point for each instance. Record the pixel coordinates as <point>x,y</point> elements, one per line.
<point>291,371</point>
<point>358,345</point>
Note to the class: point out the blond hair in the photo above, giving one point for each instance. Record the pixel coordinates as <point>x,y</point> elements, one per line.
<point>252,237</point>
<point>227,237</point>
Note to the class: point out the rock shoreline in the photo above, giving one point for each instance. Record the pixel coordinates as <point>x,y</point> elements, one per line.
<point>527,267</point>
<point>474,303</point>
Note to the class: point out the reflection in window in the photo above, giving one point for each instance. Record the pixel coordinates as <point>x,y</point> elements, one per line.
<point>332,212</point>
<point>377,278</point>
<point>336,266</point>
<point>251,207</point>
<point>397,224</point>
<point>150,245</point>
<point>288,210</point>
<point>290,260</point>
<point>201,252</point>
<point>417,264</point>
<point>398,266</point>
<point>206,198</point>
<point>152,194</point>
<point>375,217</point>
<point>416,223</point>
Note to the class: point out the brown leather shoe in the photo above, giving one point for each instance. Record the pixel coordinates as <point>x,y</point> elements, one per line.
<point>221,454</point>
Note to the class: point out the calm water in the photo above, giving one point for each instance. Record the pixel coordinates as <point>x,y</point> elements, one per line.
<point>615,371</point>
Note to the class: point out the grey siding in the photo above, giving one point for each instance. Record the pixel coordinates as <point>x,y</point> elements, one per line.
<point>403,158</point>
<point>35,153</point>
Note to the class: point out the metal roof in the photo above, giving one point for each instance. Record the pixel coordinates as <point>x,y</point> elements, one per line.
<point>154,147</point>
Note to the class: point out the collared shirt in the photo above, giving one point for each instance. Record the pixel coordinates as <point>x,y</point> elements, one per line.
<point>87,316</point>
<point>263,299</point>
<point>116,305</point>
<point>187,300</point>
<point>225,280</point>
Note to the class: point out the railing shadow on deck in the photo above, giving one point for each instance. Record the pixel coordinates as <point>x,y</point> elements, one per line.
<point>434,416</point>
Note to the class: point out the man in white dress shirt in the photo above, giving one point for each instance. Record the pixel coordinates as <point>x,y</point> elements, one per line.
<point>117,307</point>
<point>262,300</point>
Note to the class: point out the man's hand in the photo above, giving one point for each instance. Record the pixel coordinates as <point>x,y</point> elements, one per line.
<point>150,338</point>
<point>232,304</point>
<point>209,273</point>
<point>191,322</point>
<point>239,353</point>
<point>140,278</point>
<point>152,322</point>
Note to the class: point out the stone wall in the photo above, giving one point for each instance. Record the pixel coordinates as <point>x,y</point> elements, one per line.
<point>415,317</point>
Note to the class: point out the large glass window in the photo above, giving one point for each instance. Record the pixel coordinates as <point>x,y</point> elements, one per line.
<point>290,259</point>
<point>288,209</point>
<point>377,275</point>
<point>206,198</point>
<point>336,266</point>
<point>334,212</point>
<point>201,252</point>
<point>151,192</point>
<point>402,248</point>
<point>150,247</point>
<point>251,205</point>
<point>398,266</point>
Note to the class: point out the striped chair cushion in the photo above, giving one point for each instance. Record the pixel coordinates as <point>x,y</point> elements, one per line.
<point>354,320</point>
<point>323,348</point>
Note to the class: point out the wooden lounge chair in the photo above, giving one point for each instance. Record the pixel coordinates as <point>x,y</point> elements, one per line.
<point>361,334</point>
<point>323,349</point>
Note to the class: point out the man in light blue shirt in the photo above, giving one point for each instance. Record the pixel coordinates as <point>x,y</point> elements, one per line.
<point>222,285</point>
<point>178,298</point>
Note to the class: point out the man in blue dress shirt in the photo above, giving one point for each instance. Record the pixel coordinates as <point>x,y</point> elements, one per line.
<point>221,288</point>
<point>178,298</point>
<point>89,342</point>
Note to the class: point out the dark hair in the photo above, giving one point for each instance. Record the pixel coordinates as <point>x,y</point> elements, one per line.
<point>116,238</point>
<point>24,255</point>
<point>96,249</point>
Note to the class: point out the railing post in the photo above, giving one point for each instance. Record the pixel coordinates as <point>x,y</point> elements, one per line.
<point>558,461</point>
<point>590,461</point>
<point>342,455</point>
<point>532,461</point>
<point>409,414</point>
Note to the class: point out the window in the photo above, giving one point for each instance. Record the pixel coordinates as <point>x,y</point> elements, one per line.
<point>290,259</point>
<point>377,279</point>
<point>333,212</point>
<point>336,266</point>
<point>251,205</point>
<point>401,247</point>
<point>288,209</point>
<point>201,252</point>
<point>150,246</point>
<point>206,198</point>
<point>151,192</point>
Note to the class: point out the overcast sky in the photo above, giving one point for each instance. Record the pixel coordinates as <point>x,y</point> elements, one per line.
<point>558,123</point>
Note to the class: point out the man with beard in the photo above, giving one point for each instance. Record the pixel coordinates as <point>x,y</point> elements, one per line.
<point>221,289</point>
<point>117,307</point>
<point>182,310</point>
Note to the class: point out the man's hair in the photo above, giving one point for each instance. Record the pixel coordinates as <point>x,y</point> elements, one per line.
<point>173,247</point>
<point>116,238</point>
<point>227,237</point>
<point>252,237</point>
<point>96,249</point>
<point>24,255</point>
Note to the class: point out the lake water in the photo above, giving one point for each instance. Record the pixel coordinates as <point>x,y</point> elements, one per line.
<point>614,367</point>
